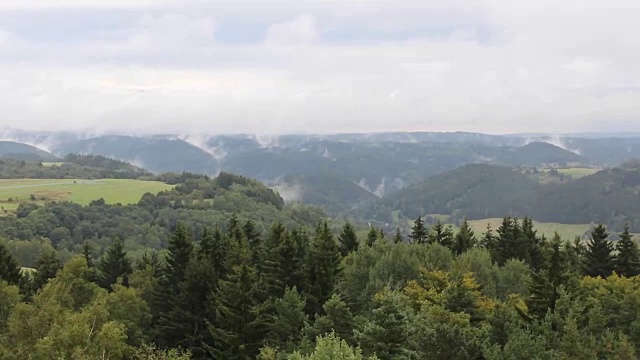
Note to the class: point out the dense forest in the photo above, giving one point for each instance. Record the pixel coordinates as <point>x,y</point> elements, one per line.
<point>479,191</point>
<point>231,292</point>
<point>72,167</point>
<point>222,268</point>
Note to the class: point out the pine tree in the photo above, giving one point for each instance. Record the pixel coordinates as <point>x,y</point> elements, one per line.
<point>253,237</point>
<point>348,239</point>
<point>488,240</point>
<point>441,235</point>
<point>114,265</point>
<point>533,243</point>
<point>87,253</point>
<point>510,243</point>
<point>285,328</point>
<point>546,282</point>
<point>464,240</point>
<point>234,332</point>
<point>598,258</point>
<point>397,239</point>
<point>180,250</point>
<point>46,268</point>
<point>372,237</point>
<point>9,269</point>
<point>338,318</point>
<point>322,269</point>
<point>627,262</point>
<point>386,332</point>
<point>168,307</point>
<point>418,232</point>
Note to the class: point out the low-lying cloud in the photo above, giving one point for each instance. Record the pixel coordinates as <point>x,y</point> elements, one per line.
<point>208,67</point>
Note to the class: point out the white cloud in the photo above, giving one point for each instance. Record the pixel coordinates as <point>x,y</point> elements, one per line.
<point>487,65</point>
<point>301,30</point>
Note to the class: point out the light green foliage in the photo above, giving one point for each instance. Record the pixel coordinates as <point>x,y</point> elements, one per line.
<point>331,347</point>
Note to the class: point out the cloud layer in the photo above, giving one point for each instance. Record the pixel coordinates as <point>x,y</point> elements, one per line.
<point>320,66</point>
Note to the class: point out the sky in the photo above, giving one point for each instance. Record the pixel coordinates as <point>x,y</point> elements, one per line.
<point>311,66</point>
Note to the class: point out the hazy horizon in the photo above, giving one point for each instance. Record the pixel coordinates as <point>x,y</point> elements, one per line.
<point>317,67</point>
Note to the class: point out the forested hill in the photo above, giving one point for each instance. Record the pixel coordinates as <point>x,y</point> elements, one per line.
<point>197,201</point>
<point>71,167</point>
<point>485,191</point>
<point>15,150</point>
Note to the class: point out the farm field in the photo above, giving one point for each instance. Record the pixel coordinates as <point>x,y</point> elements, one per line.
<point>124,191</point>
<point>577,172</point>
<point>567,231</point>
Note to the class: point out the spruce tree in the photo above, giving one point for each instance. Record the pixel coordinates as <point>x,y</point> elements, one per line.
<point>234,331</point>
<point>285,328</point>
<point>9,269</point>
<point>323,264</point>
<point>418,232</point>
<point>441,235</point>
<point>488,240</point>
<point>372,237</point>
<point>46,268</point>
<point>598,257</point>
<point>464,240</point>
<point>180,250</point>
<point>348,239</point>
<point>87,253</point>
<point>397,239</point>
<point>545,283</point>
<point>510,242</point>
<point>338,318</point>
<point>534,245</point>
<point>113,265</point>
<point>627,262</point>
<point>168,305</point>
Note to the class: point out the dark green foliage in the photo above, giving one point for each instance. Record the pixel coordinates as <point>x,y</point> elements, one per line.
<point>545,284</point>
<point>322,269</point>
<point>46,269</point>
<point>397,238</point>
<point>285,329</point>
<point>598,258</point>
<point>234,331</point>
<point>441,235</point>
<point>9,269</point>
<point>464,240</point>
<point>114,265</point>
<point>372,237</point>
<point>418,232</point>
<point>386,332</point>
<point>337,318</point>
<point>627,262</point>
<point>347,239</point>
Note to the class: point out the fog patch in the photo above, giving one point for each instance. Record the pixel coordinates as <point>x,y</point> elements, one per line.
<point>554,140</point>
<point>289,192</point>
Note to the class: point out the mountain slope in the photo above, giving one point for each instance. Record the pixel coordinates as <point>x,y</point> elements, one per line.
<point>154,153</point>
<point>610,196</point>
<point>20,151</point>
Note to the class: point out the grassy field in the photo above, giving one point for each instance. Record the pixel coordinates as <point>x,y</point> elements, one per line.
<point>567,231</point>
<point>577,172</point>
<point>15,191</point>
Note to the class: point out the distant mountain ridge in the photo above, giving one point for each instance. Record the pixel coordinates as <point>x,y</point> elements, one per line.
<point>376,163</point>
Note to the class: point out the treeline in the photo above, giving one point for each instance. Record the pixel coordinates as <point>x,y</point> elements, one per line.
<point>71,167</point>
<point>290,294</point>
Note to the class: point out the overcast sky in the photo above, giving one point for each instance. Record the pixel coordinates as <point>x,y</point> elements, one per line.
<point>261,66</point>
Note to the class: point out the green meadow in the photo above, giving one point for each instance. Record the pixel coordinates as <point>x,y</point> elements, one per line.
<point>124,191</point>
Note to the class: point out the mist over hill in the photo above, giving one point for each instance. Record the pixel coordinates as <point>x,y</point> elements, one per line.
<point>340,171</point>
